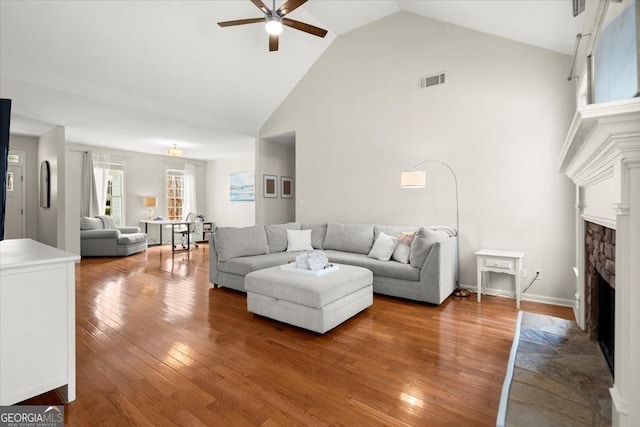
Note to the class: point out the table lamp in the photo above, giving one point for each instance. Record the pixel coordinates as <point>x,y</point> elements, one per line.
<point>150,203</point>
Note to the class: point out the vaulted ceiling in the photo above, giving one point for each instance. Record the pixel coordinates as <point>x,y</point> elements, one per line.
<point>144,75</point>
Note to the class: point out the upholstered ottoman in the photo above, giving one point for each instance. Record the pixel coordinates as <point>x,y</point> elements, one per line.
<point>317,303</point>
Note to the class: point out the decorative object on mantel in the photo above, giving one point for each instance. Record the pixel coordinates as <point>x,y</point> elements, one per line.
<point>150,203</point>
<point>417,179</point>
<point>286,187</point>
<point>270,186</point>
<point>174,151</point>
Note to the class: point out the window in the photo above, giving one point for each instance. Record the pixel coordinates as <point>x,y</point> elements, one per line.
<point>175,194</point>
<point>109,180</point>
<point>115,197</point>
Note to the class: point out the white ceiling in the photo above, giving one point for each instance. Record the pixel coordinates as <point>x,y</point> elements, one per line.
<point>143,75</point>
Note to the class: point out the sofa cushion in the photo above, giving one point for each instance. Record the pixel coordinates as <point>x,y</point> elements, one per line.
<point>131,238</point>
<point>390,269</point>
<point>422,244</point>
<point>318,233</point>
<point>87,223</point>
<point>356,238</point>
<point>299,240</point>
<point>383,247</point>
<point>277,235</point>
<point>233,242</point>
<point>246,264</point>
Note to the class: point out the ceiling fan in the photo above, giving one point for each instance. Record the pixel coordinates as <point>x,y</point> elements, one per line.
<point>274,19</point>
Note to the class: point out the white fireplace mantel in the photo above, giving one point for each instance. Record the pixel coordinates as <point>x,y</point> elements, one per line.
<point>601,154</point>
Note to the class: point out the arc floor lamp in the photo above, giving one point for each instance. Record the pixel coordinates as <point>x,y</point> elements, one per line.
<point>417,178</point>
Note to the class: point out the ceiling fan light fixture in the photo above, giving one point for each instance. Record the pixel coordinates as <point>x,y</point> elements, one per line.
<point>273,25</point>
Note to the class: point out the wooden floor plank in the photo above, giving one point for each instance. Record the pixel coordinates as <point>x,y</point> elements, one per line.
<point>157,345</point>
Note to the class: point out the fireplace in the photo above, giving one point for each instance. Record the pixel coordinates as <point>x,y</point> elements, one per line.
<point>600,279</point>
<point>601,155</point>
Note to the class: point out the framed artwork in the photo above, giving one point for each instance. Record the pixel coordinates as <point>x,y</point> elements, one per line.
<point>242,187</point>
<point>286,187</point>
<point>270,186</point>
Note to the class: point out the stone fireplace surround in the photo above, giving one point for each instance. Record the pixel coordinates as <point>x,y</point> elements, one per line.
<point>601,155</point>
<point>600,260</point>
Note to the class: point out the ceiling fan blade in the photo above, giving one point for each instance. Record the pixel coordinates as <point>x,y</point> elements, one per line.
<point>307,28</point>
<point>290,6</point>
<point>261,6</point>
<point>273,42</point>
<point>240,22</point>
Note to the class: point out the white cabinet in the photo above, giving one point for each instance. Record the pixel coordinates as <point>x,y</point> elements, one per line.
<point>37,321</point>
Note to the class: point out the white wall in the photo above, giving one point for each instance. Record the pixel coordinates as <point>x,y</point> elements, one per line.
<point>29,145</point>
<point>220,210</point>
<point>499,121</point>
<point>275,156</point>
<point>144,175</point>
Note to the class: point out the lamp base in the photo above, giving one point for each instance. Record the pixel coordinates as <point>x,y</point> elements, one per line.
<point>461,293</point>
<point>150,213</point>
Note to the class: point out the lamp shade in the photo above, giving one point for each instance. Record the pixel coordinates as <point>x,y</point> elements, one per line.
<point>174,151</point>
<point>149,202</point>
<point>413,179</point>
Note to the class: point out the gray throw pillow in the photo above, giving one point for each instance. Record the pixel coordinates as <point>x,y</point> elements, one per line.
<point>277,235</point>
<point>355,238</point>
<point>232,242</point>
<point>318,233</point>
<point>422,244</point>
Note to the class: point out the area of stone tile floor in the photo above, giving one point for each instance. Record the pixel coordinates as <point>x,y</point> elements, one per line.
<point>560,377</point>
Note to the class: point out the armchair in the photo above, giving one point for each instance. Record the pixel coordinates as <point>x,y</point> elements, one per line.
<point>100,237</point>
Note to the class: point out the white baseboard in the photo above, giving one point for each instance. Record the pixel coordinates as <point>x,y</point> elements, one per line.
<point>525,297</point>
<point>620,408</point>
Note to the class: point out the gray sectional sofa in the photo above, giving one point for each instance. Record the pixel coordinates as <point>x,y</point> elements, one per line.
<point>423,271</point>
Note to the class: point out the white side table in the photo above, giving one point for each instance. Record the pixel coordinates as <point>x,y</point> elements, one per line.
<point>499,262</point>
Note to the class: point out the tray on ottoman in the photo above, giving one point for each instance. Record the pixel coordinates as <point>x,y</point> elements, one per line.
<point>317,303</point>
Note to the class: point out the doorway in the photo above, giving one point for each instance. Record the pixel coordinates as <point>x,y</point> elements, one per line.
<point>15,215</point>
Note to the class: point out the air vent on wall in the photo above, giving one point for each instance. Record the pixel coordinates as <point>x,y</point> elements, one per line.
<point>432,80</point>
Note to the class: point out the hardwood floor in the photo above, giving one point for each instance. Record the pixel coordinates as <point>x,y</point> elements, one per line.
<point>157,345</point>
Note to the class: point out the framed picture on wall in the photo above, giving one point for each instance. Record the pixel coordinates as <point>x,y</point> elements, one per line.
<point>270,186</point>
<point>286,187</point>
<point>242,187</point>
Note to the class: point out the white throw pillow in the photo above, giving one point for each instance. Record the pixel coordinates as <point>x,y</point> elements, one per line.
<point>299,240</point>
<point>383,247</point>
<point>403,250</point>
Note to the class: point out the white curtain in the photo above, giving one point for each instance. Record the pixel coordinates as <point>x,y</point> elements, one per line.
<point>88,197</point>
<point>101,166</point>
<point>189,190</point>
